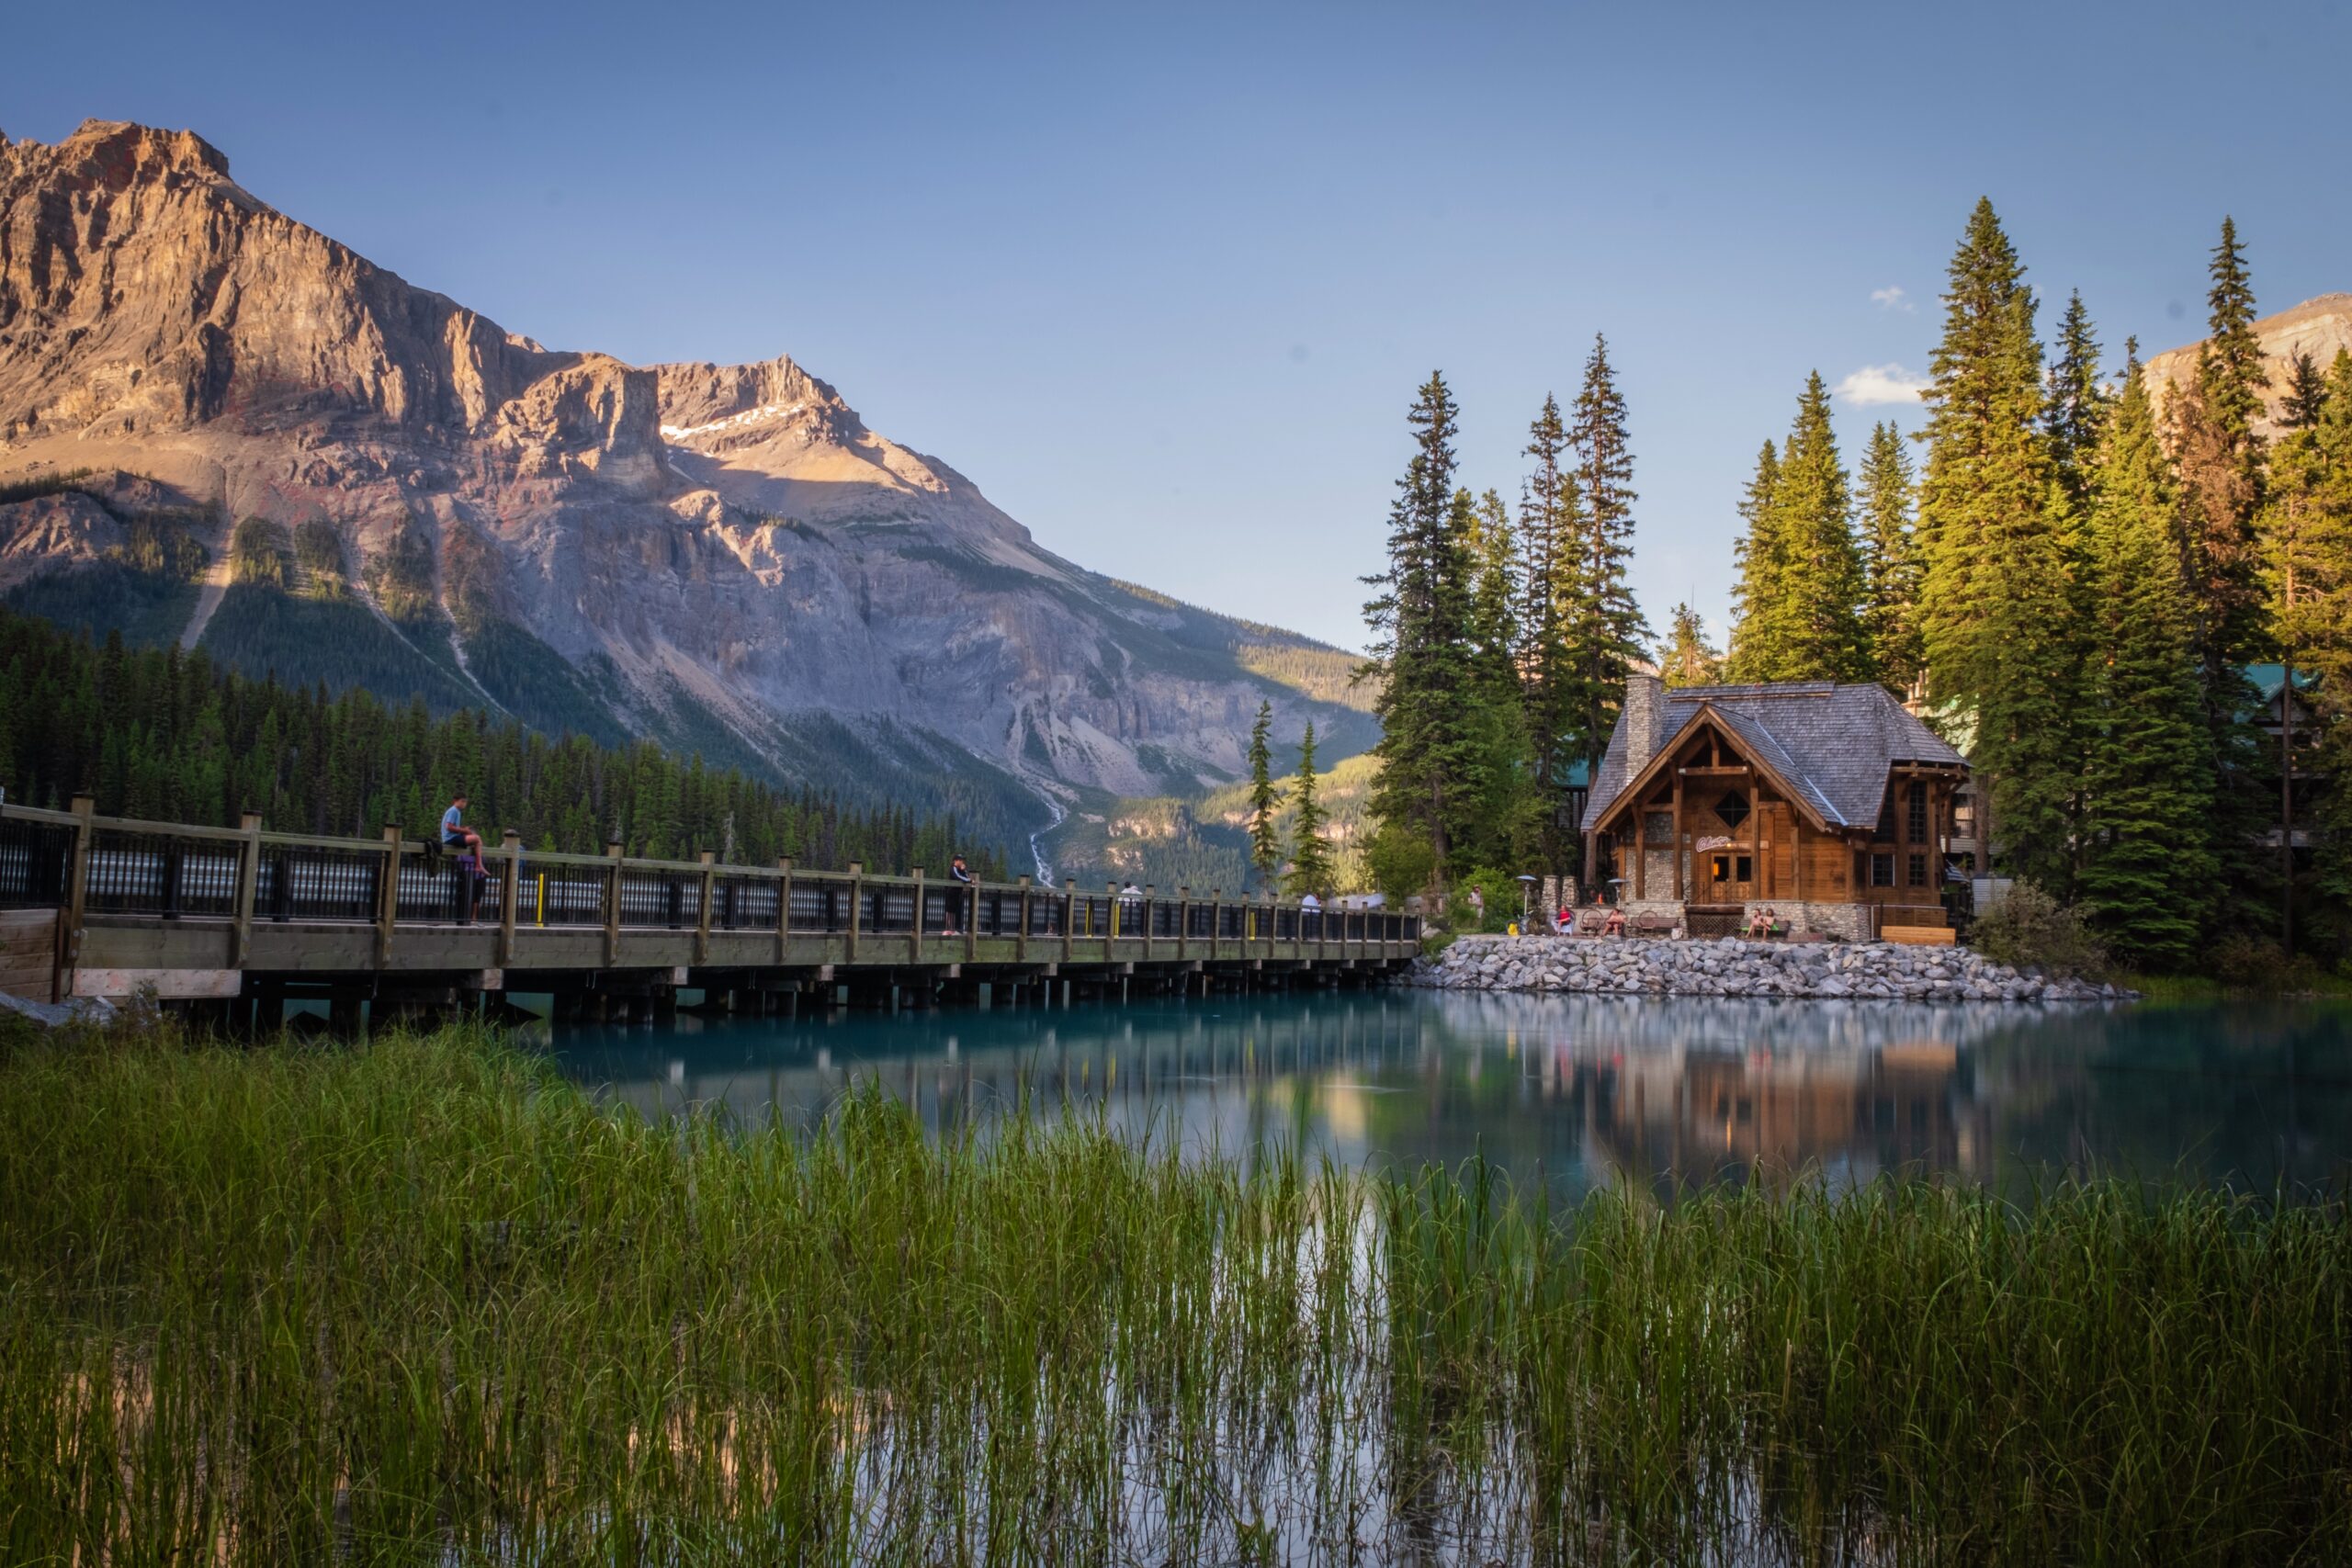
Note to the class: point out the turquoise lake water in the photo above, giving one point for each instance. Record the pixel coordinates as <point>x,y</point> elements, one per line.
<point>1578,1091</point>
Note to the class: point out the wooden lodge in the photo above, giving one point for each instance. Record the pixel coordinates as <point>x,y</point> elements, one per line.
<point>1828,803</point>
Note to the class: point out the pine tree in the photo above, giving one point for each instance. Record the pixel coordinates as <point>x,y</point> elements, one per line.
<point>1265,800</point>
<point>2148,869</point>
<point>1310,855</point>
<point>1756,596</point>
<point>1890,561</point>
<point>1552,524</point>
<point>2307,532</point>
<point>2319,627</point>
<point>2075,406</point>
<point>1420,648</point>
<point>1603,629</point>
<point>1815,626</point>
<point>1685,658</point>
<point>2306,396</point>
<point>1993,528</point>
<point>2221,456</point>
<point>1499,826</point>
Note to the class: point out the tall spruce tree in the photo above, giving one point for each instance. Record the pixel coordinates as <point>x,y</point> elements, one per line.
<point>1551,534</point>
<point>2222,457</point>
<point>1265,800</point>
<point>1421,650</point>
<point>1756,596</point>
<point>1993,531</point>
<point>2147,874</point>
<point>1816,630</point>
<point>1499,828</point>
<point>2074,405</point>
<point>1686,658</point>
<point>2317,628</point>
<point>2303,532</point>
<point>1310,853</point>
<point>1605,633</point>
<point>1890,561</point>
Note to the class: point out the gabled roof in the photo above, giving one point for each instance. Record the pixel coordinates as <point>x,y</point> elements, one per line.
<point>1831,744</point>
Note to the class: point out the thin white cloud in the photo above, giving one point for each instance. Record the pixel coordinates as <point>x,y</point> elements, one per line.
<point>1876,385</point>
<point>1892,298</point>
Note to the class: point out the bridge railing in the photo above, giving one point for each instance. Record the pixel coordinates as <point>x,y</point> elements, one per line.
<point>85,864</point>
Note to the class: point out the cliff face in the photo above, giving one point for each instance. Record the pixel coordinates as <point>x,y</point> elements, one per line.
<point>2319,327</point>
<point>716,555</point>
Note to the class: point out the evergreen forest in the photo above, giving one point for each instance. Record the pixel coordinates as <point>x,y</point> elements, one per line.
<point>161,735</point>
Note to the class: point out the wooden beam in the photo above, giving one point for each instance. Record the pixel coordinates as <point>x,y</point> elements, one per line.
<point>387,898</point>
<point>77,892</point>
<point>783,904</point>
<point>511,845</point>
<point>240,930</point>
<point>702,908</point>
<point>1677,848</point>
<point>612,903</point>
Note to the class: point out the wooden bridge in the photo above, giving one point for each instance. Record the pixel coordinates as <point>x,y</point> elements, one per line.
<point>230,920</point>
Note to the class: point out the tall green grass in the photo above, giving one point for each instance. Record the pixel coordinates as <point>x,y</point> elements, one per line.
<point>420,1302</point>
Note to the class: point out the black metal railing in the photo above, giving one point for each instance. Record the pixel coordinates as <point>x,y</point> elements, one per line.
<point>296,883</point>
<point>36,861</point>
<point>135,871</point>
<point>560,893</point>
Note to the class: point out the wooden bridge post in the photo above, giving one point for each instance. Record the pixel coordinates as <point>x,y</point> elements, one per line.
<point>1149,898</point>
<point>612,902</point>
<point>510,844</point>
<point>1217,919</point>
<point>857,904</point>
<point>702,911</point>
<point>1183,921</point>
<point>1021,940</point>
<point>387,896</point>
<point>782,905</point>
<point>78,895</point>
<point>914,937</point>
<point>240,929</point>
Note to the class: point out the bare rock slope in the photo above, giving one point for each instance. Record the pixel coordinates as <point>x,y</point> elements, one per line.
<point>2319,327</point>
<point>721,556</point>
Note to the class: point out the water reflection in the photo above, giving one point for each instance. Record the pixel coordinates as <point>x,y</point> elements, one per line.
<point>1662,1092</point>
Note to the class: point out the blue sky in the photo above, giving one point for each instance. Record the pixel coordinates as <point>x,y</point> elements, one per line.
<point>1162,281</point>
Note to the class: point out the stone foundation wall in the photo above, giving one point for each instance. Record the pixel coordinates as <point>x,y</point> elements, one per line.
<point>1732,967</point>
<point>1846,922</point>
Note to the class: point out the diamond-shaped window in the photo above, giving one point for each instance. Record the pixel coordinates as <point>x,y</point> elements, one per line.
<point>1732,809</point>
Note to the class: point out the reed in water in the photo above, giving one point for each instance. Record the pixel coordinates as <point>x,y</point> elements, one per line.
<point>420,1300</point>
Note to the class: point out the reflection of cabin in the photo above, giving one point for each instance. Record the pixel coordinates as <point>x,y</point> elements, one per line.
<point>1829,802</point>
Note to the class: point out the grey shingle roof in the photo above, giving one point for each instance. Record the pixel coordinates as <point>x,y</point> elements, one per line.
<point>1832,743</point>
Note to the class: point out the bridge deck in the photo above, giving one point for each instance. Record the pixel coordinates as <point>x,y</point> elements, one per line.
<point>197,912</point>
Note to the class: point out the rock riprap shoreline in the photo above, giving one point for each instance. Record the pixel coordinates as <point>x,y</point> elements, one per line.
<point>1734,967</point>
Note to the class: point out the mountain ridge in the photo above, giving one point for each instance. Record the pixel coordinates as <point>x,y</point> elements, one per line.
<point>688,549</point>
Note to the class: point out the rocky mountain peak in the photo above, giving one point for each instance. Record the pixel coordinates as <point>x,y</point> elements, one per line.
<point>724,556</point>
<point>2319,327</point>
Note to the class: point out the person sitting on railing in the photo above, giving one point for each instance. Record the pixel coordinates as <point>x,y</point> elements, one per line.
<point>963,873</point>
<point>462,842</point>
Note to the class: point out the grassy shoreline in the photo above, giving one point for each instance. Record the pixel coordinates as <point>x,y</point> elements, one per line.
<point>421,1299</point>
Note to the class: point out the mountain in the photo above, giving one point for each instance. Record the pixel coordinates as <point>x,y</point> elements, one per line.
<point>220,425</point>
<point>2317,327</point>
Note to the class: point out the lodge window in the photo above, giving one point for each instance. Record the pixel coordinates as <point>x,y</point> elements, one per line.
<point>1747,869</point>
<point>1918,813</point>
<point>1882,870</point>
<point>1918,870</point>
<point>1719,867</point>
<point>1732,809</point>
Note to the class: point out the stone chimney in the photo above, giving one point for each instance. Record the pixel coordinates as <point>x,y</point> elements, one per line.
<point>1645,704</point>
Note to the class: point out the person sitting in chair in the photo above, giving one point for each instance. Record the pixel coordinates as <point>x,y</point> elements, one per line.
<point>1615,924</point>
<point>1759,924</point>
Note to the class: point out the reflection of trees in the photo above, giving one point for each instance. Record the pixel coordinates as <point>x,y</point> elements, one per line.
<point>1584,1090</point>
